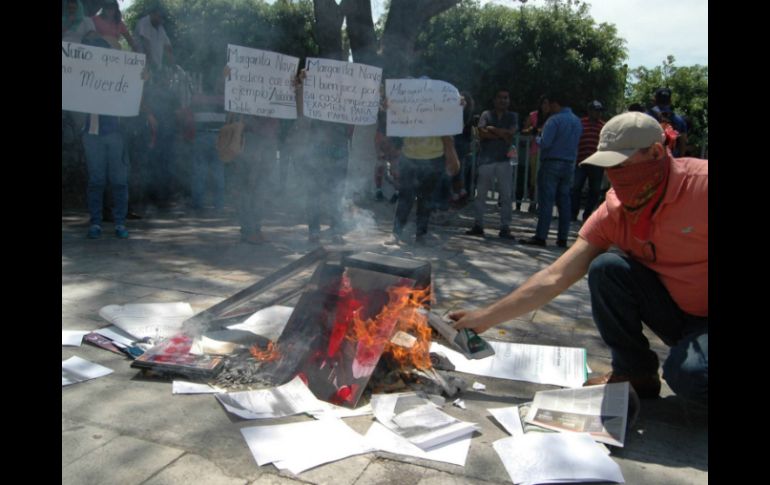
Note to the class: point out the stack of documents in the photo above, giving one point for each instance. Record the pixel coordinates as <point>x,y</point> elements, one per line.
<point>414,417</point>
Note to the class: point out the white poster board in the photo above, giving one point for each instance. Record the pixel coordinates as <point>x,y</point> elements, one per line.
<point>423,107</point>
<point>260,83</point>
<point>101,81</point>
<point>342,92</point>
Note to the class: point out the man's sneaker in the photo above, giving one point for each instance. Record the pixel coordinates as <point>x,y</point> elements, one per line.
<point>121,232</point>
<point>379,195</point>
<point>476,230</point>
<point>647,386</point>
<point>562,243</point>
<point>94,232</point>
<point>505,233</point>
<point>534,241</point>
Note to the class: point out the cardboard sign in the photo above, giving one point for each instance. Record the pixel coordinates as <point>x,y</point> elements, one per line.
<point>342,92</point>
<point>260,83</point>
<point>423,107</point>
<point>101,81</point>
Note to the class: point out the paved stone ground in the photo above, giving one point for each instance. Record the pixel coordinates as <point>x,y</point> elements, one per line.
<point>125,428</point>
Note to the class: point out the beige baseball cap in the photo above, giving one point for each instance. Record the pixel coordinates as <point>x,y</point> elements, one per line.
<point>623,135</point>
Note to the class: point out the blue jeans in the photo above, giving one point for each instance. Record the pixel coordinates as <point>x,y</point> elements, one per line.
<point>417,180</point>
<point>325,186</point>
<point>625,293</point>
<point>205,159</point>
<point>252,171</point>
<point>594,175</point>
<point>554,181</point>
<point>159,177</point>
<point>441,193</point>
<point>105,161</point>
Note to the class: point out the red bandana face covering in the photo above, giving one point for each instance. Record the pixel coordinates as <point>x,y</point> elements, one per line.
<point>640,187</point>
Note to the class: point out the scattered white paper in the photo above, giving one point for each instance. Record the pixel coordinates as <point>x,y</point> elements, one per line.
<point>414,417</point>
<point>542,364</point>
<point>454,451</point>
<point>333,411</point>
<point>75,370</point>
<point>73,337</point>
<point>291,398</point>
<point>479,386</point>
<point>154,320</point>
<point>185,387</point>
<point>600,411</point>
<point>268,322</point>
<point>459,403</point>
<point>509,418</point>
<point>116,335</point>
<point>301,446</point>
<point>555,458</point>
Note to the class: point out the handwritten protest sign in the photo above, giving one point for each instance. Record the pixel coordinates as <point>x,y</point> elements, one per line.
<point>101,81</point>
<point>343,92</point>
<point>423,107</point>
<point>260,83</point>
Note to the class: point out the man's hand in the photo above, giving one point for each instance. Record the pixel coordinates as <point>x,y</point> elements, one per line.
<point>469,319</point>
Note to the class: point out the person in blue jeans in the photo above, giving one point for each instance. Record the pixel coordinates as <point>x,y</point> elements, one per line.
<point>209,116</point>
<point>645,250</point>
<point>103,144</point>
<point>558,152</point>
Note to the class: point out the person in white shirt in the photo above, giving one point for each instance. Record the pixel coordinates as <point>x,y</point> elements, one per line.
<point>153,39</point>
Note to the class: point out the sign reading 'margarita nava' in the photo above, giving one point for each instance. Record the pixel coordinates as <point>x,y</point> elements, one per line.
<point>101,81</point>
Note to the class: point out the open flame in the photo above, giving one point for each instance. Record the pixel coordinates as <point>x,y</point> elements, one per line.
<point>401,313</point>
<point>268,355</point>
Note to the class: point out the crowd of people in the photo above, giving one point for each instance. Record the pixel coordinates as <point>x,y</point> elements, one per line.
<point>644,248</point>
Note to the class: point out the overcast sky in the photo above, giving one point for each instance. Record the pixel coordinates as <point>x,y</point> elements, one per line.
<point>652,29</point>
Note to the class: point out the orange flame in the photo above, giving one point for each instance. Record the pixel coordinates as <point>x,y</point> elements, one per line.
<point>268,355</point>
<point>403,307</point>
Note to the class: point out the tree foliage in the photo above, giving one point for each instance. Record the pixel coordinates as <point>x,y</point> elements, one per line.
<point>528,50</point>
<point>689,98</point>
<point>201,29</point>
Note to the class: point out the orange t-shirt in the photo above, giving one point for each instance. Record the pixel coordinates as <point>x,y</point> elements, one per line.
<point>679,234</point>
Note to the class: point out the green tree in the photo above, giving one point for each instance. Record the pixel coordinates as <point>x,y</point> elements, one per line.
<point>529,50</point>
<point>689,98</point>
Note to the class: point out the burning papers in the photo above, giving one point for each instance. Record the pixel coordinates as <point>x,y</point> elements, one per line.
<point>414,417</point>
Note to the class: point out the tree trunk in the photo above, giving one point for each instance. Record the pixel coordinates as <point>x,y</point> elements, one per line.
<point>328,29</point>
<point>406,18</point>
<point>360,27</point>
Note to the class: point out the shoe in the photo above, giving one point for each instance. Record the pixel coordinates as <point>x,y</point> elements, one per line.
<point>476,230</point>
<point>379,195</point>
<point>534,241</point>
<point>562,243</point>
<point>314,238</point>
<point>395,240</point>
<point>256,238</point>
<point>133,215</point>
<point>532,209</point>
<point>121,232</point>
<point>505,233</point>
<point>338,239</point>
<point>94,232</point>
<point>647,386</point>
<point>420,240</point>
<point>394,198</point>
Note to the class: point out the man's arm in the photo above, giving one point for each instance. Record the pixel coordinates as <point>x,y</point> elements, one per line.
<point>538,290</point>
